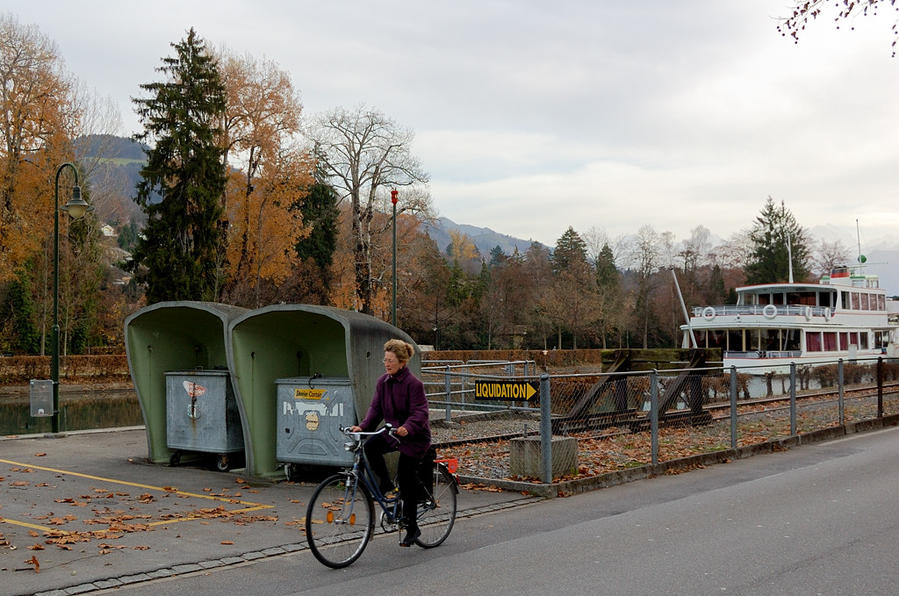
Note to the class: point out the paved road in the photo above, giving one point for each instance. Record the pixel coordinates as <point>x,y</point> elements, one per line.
<point>821,519</point>
<point>112,519</point>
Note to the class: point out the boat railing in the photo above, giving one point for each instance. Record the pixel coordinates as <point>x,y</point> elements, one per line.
<point>768,310</point>
<point>755,354</point>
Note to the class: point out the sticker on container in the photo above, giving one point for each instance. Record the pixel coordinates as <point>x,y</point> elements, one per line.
<point>309,393</point>
<point>312,421</point>
<point>193,389</point>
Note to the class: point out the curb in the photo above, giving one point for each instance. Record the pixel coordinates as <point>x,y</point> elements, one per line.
<point>572,487</point>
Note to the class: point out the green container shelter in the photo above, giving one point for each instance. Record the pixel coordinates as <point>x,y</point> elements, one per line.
<point>301,341</point>
<point>173,336</point>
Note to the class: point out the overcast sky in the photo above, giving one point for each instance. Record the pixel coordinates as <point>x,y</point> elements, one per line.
<point>535,116</point>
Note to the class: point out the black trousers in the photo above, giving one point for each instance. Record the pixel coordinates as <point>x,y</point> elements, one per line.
<point>406,474</point>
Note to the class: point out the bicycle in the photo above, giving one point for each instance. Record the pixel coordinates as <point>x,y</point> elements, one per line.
<point>340,516</point>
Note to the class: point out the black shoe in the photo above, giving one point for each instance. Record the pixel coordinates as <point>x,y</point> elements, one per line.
<point>409,538</point>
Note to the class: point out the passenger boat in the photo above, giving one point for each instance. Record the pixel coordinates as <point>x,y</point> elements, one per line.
<point>845,315</point>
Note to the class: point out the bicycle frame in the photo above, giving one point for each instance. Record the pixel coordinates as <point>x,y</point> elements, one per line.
<point>361,470</point>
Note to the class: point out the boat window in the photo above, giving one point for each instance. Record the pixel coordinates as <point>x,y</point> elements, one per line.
<point>830,341</point>
<point>844,340</point>
<point>864,301</point>
<point>845,303</point>
<point>863,340</point>
<point>779,298</point>
<point>825,299</point>
<point>735,340</point>
<point>716,339</point>
<point>856,301</point>
<point>812,341</point>
<point>791,340</point>
<point>770,340</point>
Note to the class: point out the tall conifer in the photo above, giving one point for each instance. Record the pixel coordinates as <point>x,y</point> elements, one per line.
<point>183,182</point>
<point>774,230</point>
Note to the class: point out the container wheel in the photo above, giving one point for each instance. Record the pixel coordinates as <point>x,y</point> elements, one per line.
<point>223,463</point>
<point>175,458</point>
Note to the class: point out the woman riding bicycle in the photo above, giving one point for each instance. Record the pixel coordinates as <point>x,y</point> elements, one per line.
<point>400,401</point>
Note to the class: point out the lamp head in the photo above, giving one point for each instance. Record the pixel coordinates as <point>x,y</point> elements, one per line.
<point>76,206</point>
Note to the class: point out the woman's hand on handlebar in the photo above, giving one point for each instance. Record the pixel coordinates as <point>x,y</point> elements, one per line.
<point>355,428</point>
<point>401,431</point>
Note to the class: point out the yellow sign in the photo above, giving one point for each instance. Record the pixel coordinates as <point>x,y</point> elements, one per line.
<point>514,390</point>
<point>309,393</point>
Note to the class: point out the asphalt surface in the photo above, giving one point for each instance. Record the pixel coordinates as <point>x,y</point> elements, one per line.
<point>821,519</point>
<point>82,512</point>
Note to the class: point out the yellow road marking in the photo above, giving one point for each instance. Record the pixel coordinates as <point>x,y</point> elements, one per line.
<point>250,506</point>
<point>6,520</point>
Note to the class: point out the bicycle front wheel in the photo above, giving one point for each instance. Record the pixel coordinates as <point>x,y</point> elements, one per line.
<point>340,520</point>
<point>437,513</point>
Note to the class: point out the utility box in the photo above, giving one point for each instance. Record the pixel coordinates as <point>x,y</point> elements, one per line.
<point>202,414</point>
<point>310,412</point>
<point>41,397</point>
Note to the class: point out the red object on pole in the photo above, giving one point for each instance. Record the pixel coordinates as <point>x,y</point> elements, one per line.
<point>393,195</point>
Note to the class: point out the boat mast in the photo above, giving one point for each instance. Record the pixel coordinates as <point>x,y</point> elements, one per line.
<point>684,307</point>
<point>790,255</point>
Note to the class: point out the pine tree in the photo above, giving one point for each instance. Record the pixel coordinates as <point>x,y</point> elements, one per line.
<point>570,249</point>
<point>17,310</point>
<point>178,254</point>
<point>319,211</point>
<point>775,228</point>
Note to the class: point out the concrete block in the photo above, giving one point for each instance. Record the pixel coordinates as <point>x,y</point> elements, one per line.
<point>526,456</point>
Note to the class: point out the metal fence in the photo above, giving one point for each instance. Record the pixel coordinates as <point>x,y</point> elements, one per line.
<point>588,424</point>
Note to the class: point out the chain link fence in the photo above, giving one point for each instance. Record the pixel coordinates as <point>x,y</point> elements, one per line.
<point>589,424</point>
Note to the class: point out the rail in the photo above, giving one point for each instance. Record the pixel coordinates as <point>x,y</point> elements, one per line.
<point>728,310</point>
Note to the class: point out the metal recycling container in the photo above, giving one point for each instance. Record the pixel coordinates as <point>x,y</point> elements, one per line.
<point>310,412</point>
<point>201,412</point>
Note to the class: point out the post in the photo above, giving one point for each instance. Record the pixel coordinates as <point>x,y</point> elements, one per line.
<point>880,386</point>
<point>654,415</point>
<point>393,199</point>
<point>733,407</point>
<point>792,398</point>
<point>78,207</point>
<point>54,340</point>
<point>546,429</point>
<point>840,383</point>
<point>447,385</point>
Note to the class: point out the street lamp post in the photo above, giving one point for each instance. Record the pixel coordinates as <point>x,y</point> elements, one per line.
<point>76,207</point>
<point>393,199</point>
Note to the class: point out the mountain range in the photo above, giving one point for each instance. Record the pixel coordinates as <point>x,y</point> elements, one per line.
<point>484,239</point>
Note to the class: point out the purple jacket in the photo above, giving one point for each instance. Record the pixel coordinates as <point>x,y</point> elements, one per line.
<point>400,400</point>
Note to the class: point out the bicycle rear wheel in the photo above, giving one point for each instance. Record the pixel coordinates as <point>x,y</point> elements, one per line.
<point>437,514</point>
<point>340,520</point>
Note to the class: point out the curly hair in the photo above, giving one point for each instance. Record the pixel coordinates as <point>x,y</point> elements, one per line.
<point>401,349</point>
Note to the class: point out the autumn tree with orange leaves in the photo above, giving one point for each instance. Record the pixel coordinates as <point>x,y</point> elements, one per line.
<point>36,108</point>
<point>268,176</point>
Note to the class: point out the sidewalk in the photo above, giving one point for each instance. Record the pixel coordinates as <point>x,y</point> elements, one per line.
<point>84,511</point>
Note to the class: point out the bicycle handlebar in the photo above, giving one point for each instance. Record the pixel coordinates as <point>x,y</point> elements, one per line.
<point>388,428</point>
